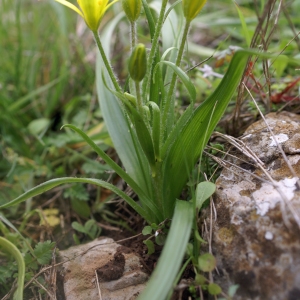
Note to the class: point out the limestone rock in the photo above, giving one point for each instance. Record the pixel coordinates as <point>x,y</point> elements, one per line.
<point>256,238</point>
<point>120,273</point>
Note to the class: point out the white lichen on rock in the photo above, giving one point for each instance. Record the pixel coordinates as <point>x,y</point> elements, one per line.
<point>280,138</point>
<point>268,196</point>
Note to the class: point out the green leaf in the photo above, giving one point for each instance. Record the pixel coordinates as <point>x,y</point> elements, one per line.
<point>155,112</point>
<point>232,290</point>
<point>244,25</point>
<point>81,208</point>
<point>150,246</point>
<point>160,239</point>
<point>191,139</point>
<point>14,251</point>
<point>77,226</point>
<point>184,78</point>
<point>92,229</point>
<point>214,289</point>
<point>144,137</point>
<point>118,126</point>
<point>207,262</point>
<point>169,263</point>
<point>37,126</point>
<point>200,279</point>
<point>204,190</point>
<point>199,238</point>
<point>143,197</point>
<point>64,180</point>
<point>43,252</point>
<point>147,230</point>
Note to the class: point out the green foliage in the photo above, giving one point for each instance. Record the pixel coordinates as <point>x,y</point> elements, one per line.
<point>150,246</point>
<point>76,192</point>
<point>43,252</point>
<point>204,190</point>
<point>90,228</point>
<point>214,289</point>
<point>206,262</point>
<point>158,142</point>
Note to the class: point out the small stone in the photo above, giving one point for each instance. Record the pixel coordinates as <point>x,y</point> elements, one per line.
<point>119,272</point>
<point>269,235</point>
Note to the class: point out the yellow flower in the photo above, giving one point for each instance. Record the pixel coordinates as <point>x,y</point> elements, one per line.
<point>191,8</point>
<point>91,11</point>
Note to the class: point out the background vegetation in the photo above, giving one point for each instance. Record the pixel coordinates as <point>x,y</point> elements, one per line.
<point>47,80</point>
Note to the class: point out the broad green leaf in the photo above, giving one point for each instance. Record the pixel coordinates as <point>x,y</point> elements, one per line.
<point>14,251</point>
<point>207,262</point>
<point>214,289</point>
<point>170,260</point>
<point>147,230</point>
<point>81,208</point>
<point>118,126</point>
<point>46,186</point>
<point>150,246</point>
<point>77,226</point>
<point>184,78</point>
<point>200,279</point>
<point>190,140</point>
<point>204,190</point>
<point>37,126</point>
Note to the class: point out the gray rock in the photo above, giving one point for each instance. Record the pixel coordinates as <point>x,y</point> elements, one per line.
<point>256,237</point>
<point>120,274</point>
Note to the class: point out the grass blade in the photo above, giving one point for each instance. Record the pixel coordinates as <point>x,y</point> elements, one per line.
<point>46,186</point>
<point>169,263</point>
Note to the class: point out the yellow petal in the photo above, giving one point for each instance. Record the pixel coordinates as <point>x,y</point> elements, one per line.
<point>70,5</point>
<point>93,11</point>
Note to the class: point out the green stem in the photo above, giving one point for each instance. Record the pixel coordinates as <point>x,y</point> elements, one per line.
<point>106,62</point>
<point>151,60</point>
<point>133,34</point>
<point>138,96</point>
<point>168,102</point>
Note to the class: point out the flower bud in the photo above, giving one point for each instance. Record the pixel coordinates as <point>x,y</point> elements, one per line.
<point>138,63</point>
<point>191,8</point>
<point>132,9</point>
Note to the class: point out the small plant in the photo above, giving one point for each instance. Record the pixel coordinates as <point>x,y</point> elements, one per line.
<point>158,147</point>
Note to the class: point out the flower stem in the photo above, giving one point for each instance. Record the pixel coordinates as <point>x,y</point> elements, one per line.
<point>168,102</point>
<point>153,50</point>
<point>133,34</point>
<point>106,62</point>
